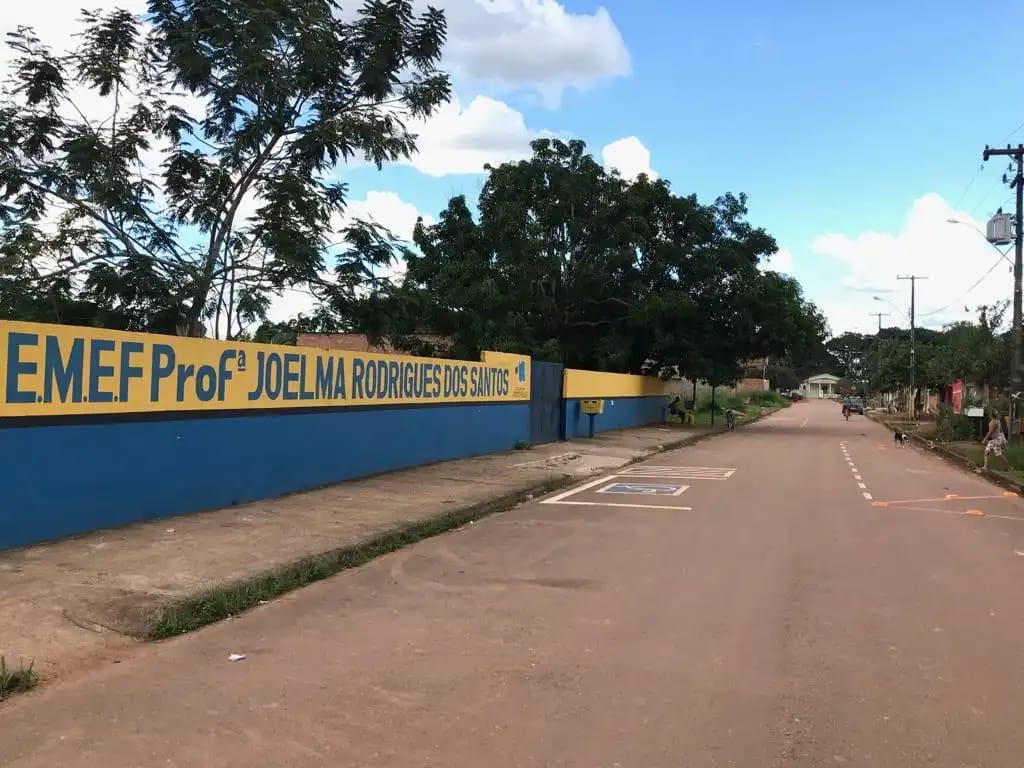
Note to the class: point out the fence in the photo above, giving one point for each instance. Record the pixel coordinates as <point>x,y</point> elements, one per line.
<point>101,428</point>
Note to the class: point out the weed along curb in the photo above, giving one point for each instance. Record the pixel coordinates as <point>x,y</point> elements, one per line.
<point>966,464</point>
<point>16,679</point>
<point>231,599</point>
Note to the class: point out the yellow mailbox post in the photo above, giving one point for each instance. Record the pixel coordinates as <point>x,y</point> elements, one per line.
<point>592,408</point>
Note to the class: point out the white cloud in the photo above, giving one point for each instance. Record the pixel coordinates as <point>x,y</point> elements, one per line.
<point>629,157</point>
<point>514,42</point>
<point>55,21</point>
<point>535,44</point>
<point>388,210</point>
<point>963,270</point>
<point>458,139</point>
<point>781,261</point>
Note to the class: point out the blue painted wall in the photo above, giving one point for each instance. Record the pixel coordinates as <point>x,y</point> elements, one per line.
<point>619,413</point>
<point>67,479</point>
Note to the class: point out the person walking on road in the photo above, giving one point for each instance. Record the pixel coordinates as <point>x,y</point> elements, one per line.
<point>994,441</point>
<point>730,419</point>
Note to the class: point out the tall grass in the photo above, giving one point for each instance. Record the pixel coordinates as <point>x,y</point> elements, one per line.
<point>1014,454</point>
<point>742,401</point>
<point>13,680</point>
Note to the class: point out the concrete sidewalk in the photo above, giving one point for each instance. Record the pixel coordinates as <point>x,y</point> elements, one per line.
<point>76,603</point>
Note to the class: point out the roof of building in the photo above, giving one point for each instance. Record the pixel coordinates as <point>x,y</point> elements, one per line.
<point>820,378</point>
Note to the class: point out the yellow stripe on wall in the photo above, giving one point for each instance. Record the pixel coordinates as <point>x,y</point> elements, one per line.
<point>578,383</point>
<point>60,370</point>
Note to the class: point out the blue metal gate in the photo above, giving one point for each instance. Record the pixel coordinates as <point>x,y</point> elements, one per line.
<point>545,402</point>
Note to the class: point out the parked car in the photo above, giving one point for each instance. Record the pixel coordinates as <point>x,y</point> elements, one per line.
<point>855,404</point>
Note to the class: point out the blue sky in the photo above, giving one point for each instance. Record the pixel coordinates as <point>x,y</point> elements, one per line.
<point>855,129</point>
<point>836,119</point>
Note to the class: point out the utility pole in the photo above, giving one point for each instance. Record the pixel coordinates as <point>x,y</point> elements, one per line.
<point>879,315</point>
<point>1017,153</point>
<point>913,286</point>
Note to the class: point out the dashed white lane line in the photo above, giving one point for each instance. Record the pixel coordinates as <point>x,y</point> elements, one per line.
<point>856,472</point>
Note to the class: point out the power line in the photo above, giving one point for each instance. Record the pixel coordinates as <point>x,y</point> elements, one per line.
<point>1011,133</point>
<point>981,168</point>
<point>970,184</point>
<point>962,295</point>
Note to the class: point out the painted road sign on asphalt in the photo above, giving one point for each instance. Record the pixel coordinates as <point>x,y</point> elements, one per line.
<point>646,489</point>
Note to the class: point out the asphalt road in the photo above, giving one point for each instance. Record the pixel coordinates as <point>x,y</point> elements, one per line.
<point>815,596</point>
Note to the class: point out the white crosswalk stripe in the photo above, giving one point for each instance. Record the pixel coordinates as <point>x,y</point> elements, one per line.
<point>682,473</point>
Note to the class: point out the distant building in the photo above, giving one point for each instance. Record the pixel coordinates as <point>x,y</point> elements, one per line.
<point>822,385</point>
<point>750,384</point>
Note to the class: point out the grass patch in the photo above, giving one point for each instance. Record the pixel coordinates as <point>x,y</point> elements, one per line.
<point>750,413</point>
<point>974,453</point>
<point>16,680</point>
<point>904,426</point>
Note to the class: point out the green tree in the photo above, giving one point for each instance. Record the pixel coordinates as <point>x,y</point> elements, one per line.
<point>567,262</point>
<point>851,352</point>
<point>289,89</point>
<point>782,377</point>
<point>322,320</point>
<point>977,352</point>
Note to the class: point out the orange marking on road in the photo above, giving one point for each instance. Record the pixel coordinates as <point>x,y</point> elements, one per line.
<point>928,509</point>
<point>951,497</point>
<point>880,504</point>
<point>974,512</point>
<point>1009,493</point>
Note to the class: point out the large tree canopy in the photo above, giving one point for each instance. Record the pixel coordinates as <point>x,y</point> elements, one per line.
<point>181,167</point>
<point>568,262</point>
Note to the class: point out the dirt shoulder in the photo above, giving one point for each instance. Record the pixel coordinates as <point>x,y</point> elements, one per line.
<point>76,603</point>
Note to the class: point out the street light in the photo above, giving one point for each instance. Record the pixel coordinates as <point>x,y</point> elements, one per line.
<point>983,237</point>
<point>894,306</point>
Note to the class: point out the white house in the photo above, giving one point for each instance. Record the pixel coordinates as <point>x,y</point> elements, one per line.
<point>823,385</point>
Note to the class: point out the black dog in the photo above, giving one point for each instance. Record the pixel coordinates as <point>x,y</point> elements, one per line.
<point>900,438</point>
